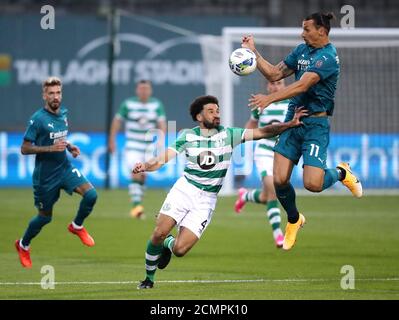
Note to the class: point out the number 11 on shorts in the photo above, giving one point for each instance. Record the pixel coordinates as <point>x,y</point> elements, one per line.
<point>314,150</point>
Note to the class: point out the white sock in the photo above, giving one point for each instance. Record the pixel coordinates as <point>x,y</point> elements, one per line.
<point>75,226</point>
<point>26,248</point>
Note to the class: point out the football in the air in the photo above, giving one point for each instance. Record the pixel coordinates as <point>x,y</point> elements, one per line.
<point>242,61</point>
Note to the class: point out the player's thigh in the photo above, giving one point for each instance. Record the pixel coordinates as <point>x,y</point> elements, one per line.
<point>74,180</point>
<point>316,141</point>
<point>282,169</point>
<point>288,146</point>
<point>200,215</point>
<point>173,210</point>
<point>45,198</point>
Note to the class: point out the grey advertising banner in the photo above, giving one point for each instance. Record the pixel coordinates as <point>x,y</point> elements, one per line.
<point>77,50</point>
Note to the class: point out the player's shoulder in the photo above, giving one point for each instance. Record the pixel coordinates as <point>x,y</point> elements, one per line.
<point>329,51</point>
<point>302,47</point>
<point>38,115</point>
<point>63,111</point>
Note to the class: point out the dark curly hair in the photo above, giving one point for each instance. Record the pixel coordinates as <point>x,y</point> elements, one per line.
<point>198,105</point>
<point>321,20</point>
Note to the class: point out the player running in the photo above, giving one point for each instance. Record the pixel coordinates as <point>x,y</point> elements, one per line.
<point>191,201</point>
<point>316,67</point>
<point>142,115</point>
<point>46,136</point>
<point>264,155</point>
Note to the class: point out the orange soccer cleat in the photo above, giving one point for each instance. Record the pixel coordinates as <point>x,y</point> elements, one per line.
<point>24,255</point>
<point>82,234</point>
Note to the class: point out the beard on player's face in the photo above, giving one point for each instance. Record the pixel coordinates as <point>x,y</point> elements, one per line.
<point>211,124</point>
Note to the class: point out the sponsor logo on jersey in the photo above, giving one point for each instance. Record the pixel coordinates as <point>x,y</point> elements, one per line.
<point>206,160</point>
<point>59,134</point>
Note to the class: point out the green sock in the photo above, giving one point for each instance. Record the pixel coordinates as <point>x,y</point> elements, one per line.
<point>253,196</point>
<point>152,255</point>
<point>169,242</point>
<point>273,213</point>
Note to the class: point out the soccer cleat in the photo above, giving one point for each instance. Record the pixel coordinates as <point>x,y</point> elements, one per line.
<point>165,257</point>
<point>351,181</point>
<point>137,212</point>
<point>145,284</point>
<point>24,255</point>
<point>291,231</point>
<point>82,234</point>
<point>279,241</point>
<point>239,204</point>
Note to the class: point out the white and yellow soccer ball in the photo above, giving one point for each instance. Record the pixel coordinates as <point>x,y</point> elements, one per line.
<point>242,61</point>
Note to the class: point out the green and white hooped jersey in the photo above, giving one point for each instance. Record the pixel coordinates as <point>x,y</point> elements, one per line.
<point>208,157</point>
<point>139,119</point>
<point>272,114</point>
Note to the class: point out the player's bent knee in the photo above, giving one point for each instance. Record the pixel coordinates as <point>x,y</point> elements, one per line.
<point>180,251</point>
<point>91,196</point>
<point>313,187</point>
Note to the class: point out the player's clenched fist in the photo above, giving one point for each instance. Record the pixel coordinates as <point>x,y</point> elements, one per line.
<point>59,146</point>
<point>138,167</point>
<point>248,42</point>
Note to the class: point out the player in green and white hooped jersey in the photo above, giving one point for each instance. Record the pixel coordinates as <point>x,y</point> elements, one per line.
<point>264,155</point>
<point>191,202</point>
<point>46,137</point>
<point>142,115</point>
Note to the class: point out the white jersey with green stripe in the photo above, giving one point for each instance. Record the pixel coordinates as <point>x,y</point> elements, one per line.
<point>208,157</point>
<point>272,114</point>
<point>140,118</point>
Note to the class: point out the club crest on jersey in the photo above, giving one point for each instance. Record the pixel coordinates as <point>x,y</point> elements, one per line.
<point>206,160</point>
<point>66,121</point>
<point>219,143</point>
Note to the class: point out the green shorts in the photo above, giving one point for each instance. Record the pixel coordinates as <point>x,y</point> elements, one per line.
<point>309,140</point>
<point>45,196</point>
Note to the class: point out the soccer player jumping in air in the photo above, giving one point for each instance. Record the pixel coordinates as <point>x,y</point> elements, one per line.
<point>316,67</point>
<point>46,137</point>
<point>191,202</point>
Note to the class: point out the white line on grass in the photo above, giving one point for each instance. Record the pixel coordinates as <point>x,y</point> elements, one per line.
<point>185,281</point>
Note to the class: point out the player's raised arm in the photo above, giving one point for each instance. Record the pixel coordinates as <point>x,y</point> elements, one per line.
<point>275,129</point>
<point>270,71</point>
<point>155,163</point>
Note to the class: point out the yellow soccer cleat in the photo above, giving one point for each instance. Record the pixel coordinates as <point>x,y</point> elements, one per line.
<point>291,231</point>
<point>137,212</point>
<point>351,181</point>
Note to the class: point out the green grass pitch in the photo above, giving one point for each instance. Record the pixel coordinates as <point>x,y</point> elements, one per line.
<point>340,231</point>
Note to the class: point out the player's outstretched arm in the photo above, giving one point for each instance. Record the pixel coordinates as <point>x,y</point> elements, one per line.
<point>277,128</point>
<point>262,101</point>
<point>270,71</point>
<point>155,163</point>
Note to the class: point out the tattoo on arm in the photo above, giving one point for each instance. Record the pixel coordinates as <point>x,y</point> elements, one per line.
<point>284,70</point>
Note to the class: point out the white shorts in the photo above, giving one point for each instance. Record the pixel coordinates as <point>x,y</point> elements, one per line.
<point>264,163</point>
<point>189,206</point>
<point>131,157</point>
